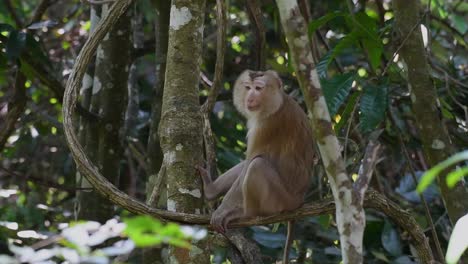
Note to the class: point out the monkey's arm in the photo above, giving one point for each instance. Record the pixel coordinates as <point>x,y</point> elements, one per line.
<point>222,184</point>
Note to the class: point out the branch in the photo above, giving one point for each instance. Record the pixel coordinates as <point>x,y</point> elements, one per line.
<point>220,50</point>
<point>256,16</point>
<point>368,163</point>
<point>15,108</point>
<point>14,15</point>
<point>40,10</point>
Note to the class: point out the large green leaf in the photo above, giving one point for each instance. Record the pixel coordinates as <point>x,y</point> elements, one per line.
<point>15,44</point>
<point>431,174</point>
<point>373,106</point>
<point>391,240</point>
<point>314,25</point>
<point>336,90</point>
<point>368,34</point>
<point>346,42</point>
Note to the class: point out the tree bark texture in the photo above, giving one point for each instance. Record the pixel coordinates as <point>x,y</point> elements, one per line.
<point>155,156</point>
<point>434,136</point>
<point>350,215</point>
<point>109,100</point>
<point>181,127</point>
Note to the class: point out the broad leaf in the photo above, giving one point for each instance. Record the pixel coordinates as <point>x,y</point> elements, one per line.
<point>391,240</point>
<point>15,45</point>
<point>431,174</point>
<point>314,25</point>
<point>336,90</point>
<point>373,106</point>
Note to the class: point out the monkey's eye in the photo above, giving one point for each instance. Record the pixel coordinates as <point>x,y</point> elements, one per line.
<point>247,87</point>
<point>258,88</point>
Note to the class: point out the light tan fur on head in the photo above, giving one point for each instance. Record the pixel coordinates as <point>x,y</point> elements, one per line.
<point>262,89</point>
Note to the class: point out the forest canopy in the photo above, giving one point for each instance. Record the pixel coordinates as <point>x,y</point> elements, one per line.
<point>107,107</point>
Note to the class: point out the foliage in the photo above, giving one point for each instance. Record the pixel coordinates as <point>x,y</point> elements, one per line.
<point>364,83</point>
<point>91,242</point>
<point>452,178</point>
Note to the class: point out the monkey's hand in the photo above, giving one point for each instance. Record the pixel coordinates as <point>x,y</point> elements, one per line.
<point>204,174</point>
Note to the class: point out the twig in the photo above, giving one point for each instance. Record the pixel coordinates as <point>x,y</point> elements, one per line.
<point>14,15</point>
<point>401,45</point>
<point>440,254</point>
<point>220,50</point>
<point>43,182</point>
<point>15,108</point>
<point>100,2</point>
<point>256,16</point>
<point>40,10</point>
<point>208,137</point>
<point>368,163</point>
<point>455,100</point>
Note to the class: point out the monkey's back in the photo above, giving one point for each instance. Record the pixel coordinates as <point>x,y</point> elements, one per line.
<point>285,140</point>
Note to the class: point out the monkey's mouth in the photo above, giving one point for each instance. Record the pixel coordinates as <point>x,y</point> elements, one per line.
<point>253,108</point>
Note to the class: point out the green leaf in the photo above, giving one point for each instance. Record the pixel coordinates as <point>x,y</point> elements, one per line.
<point>322,65</point>
<point>455,176</point>
<point>431,174</point>
<point>347,41</point>
<point>458,242</point>
<point>336,90</point>
<point>367,28</point>
<point>314,25</point>
<point>345,115</point>
<point>6,27</point>
<point>373,106</point>
<point>459,23</point>
<point>391,240</point>
<point>146,231</point>
<point>15,44</point>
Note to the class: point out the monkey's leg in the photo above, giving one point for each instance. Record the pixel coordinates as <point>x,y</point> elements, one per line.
<point>213,189</point>
<point>264,192</point>
<point>230,208</point>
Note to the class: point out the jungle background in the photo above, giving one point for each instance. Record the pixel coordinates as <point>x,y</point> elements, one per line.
<point>118,119</point>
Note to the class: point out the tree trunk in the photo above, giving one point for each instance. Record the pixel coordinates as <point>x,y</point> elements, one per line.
<point>350,215</point>
<point>435,139</point>
<point>109,99</point>
<point>181,121</point>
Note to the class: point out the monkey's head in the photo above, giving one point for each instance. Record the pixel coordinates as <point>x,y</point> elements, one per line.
<point>258,94</point>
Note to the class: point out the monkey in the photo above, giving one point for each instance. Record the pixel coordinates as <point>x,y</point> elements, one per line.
<point>275,175</point>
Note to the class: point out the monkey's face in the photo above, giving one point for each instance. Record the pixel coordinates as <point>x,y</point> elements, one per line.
<point>258,94</point>
<point>255,91</point>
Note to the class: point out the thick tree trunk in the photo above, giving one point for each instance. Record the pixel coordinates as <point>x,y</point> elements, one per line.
<point>181,128</point>
<point>109,102</point>
<point>350,215</point>
<point>435,139</point>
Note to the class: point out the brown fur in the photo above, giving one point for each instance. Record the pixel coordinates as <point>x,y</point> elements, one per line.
<point>280,152</point>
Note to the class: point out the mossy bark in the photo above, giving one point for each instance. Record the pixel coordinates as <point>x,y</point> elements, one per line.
<point>181,127</point>
<point>435,139</point>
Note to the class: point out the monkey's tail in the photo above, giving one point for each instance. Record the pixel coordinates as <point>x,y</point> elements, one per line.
<point>289,240</point>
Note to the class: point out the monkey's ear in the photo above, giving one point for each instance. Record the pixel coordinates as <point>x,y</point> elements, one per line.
<point>276,77</point>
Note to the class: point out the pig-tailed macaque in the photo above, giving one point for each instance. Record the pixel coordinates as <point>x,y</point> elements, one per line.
<point>280,153</point>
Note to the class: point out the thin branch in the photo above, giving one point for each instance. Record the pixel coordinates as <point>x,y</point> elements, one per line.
<point>368,163</point>
<point>100,2</point>
<point>44,182</point>
<point>256,18</point>
<point>440,254</point>
<point>15,108</point>
<point>220,50</point>
<point>401,45</point>
<point>40,10</point>
<point>14,15</point>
